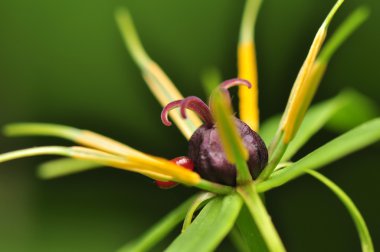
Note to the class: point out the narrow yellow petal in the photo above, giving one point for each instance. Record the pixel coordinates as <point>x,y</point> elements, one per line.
<point>301,87</point>
<point>154,82</point>
<point>137,158</point>
<point>79,153</point>
<point>306,83</point>
<point>100,142</point>
<point>159,83</point>
<point>106,151</point>
<point>308,92</point>
<point>248,98</point>
<point>247,65</point>
<point>178,173</point>
<point>156,168</point>
<point>104,158</point>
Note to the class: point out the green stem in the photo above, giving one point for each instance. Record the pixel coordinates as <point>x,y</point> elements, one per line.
<point>262,218</point>
<point>214,187</point>
<point>275,141</point>
<point>161,229</point>
<point>365,237</point>
<point>274,160</point>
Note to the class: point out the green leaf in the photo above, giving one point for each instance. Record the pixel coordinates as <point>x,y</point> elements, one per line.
<point>210,227</point>
<point>249,232</point>
<point>64,166</point>
<point>315,119</point>
<point>343,145</point>
<point>365,237</point>
<point>157,232</point>
<point>307,82</point>
<point>333,113</point>
<point>358,110</point>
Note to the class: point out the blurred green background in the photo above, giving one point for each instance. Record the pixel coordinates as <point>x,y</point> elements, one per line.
<point>64,62</point>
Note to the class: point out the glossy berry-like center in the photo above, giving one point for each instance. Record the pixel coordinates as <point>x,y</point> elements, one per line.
<point>206,151</point>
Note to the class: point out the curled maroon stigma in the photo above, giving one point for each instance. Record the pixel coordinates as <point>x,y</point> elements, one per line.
<point>193,103</point>
<point>205,148</point>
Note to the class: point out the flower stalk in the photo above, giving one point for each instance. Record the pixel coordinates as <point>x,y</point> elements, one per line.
<point>259,213</point>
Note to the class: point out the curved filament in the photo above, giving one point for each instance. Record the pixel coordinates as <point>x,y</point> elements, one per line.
<point>198,106</point>
<point>193,103</point>
<point>225,85</point>
<point>234,82</point>
<point>166,110</point>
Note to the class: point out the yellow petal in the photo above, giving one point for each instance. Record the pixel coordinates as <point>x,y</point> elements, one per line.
<point>165,92</point>
<point>100,142</point>
<point>248,98</point>
<point>311,85</point>
<point>247,65</point>
<point>137,158</point>
<point>109,152</point>
<point>159,83</point>
<point>160,168</point>
<point>306,83</point>
<point>115,161</point>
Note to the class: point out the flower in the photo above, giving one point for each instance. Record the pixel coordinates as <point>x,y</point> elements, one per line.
<point>105,151</point>
<point>250,179</point>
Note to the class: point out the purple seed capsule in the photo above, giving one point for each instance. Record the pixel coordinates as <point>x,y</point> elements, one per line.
<point>206,152</point>
<point>205,148</point>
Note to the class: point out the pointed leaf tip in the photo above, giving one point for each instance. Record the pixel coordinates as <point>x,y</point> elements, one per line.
<point>307,82</point>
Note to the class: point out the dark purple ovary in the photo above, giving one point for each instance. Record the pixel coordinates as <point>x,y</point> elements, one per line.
<point>210,162</point>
